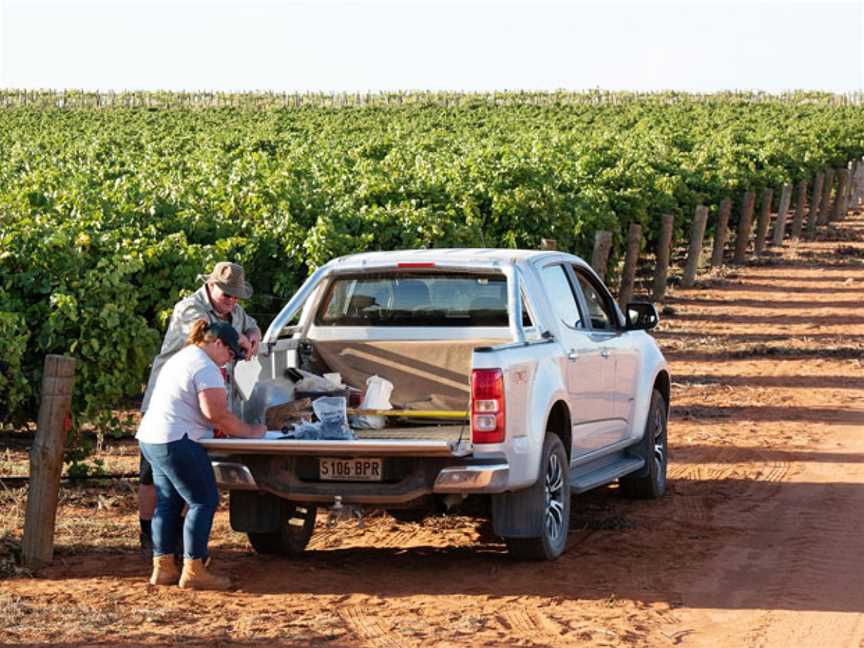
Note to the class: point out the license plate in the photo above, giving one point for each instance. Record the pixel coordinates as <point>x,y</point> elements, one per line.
<point>330,469</point>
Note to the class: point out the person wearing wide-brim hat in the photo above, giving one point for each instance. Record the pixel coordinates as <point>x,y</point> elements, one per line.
<point>215,301</point>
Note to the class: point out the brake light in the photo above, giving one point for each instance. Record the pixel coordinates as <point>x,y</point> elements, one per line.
<point>415,265</point>
<point>487,406</point>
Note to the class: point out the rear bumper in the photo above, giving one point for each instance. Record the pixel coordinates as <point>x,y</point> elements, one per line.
<point>291,481</point>
<point>473,479</point>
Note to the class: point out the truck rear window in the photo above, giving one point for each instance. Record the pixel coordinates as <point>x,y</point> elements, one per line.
<point>415,299</point>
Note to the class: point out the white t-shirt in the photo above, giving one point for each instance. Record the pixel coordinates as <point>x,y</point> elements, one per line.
<point>173,409</point>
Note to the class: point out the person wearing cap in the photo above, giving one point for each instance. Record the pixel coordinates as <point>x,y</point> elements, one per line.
<point>215,301</point>
<point>188,401</point>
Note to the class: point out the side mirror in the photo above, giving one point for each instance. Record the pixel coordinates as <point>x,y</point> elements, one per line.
<point>641,316</point>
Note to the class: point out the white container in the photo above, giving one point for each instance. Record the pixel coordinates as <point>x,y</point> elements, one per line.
<point>377,397</point>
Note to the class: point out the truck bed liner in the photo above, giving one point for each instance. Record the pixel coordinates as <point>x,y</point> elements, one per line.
<point>436,432</point>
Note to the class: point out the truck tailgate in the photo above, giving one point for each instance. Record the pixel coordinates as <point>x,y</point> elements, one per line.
<point>432,441</point>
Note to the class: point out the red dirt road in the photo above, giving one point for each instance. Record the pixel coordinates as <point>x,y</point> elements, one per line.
<point>758,543</point>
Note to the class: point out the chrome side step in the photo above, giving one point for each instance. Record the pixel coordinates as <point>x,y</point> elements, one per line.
<point>584,478</point>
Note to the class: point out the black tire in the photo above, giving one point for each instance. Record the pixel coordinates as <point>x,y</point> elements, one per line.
<point>550,500</point>
<point>295,530</point>
<point>650,482</point>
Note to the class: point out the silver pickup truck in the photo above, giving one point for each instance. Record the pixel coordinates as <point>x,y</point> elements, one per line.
<point>560,392</point>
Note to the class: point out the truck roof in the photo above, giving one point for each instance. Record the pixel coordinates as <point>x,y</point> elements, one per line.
<point>445,256</point>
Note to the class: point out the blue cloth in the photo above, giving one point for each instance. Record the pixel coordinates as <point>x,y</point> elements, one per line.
<point>182,473</point>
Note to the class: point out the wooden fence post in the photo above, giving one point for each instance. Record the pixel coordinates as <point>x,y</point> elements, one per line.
<point>764,219</point>
<point>798,219</point>
<point>853,185</point>
<point>661,270</point>
<point>825,205</point>
<point>859,192</point>
<point>697,236</point>
<point>628,277</point>
<point>744,226</point>
<point>46,461</point>
<point>848,197</point>
<point>815,201</point>
<point>847,194</point>
<point>600,256</point>
<point>839,210</point>
<point>721,232</point>
<point>857,183</point>
<point>548,244</point>
<point>780,223</point>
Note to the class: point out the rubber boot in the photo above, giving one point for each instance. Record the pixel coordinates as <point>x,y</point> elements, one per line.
<point>195,576</point>
<point>165,570</point>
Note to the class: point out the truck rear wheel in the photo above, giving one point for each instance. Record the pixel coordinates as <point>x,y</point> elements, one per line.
<point>291,537</point>
<point>548,499</point>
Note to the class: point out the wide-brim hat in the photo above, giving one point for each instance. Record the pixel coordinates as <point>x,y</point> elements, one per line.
<point>231,279</point>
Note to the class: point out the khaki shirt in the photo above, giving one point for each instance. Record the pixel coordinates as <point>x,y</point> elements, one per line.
<point>186,312</point>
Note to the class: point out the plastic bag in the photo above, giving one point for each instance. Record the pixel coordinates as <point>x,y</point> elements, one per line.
<point>305,431</point>
<point>332,423</point>
<point>377,396</point>
<point>314,383</point>
<point>330,411</point>
<point>334,379</point>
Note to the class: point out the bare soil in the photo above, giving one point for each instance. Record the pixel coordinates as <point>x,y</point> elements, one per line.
<point>758,542</point>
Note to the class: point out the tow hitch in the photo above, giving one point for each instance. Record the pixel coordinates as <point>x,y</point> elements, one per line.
<point>340,511</point>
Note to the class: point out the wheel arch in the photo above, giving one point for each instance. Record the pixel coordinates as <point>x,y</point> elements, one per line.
<point>558,422</point>
<point>663,384</point>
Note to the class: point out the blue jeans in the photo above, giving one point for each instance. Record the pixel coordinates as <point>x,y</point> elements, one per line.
<point>182,473</point>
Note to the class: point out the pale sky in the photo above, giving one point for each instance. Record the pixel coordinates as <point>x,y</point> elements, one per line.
<point>480,45</point>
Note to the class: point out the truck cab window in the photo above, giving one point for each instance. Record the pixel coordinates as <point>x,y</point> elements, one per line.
<point>560,295</point>
<point>599,309</point>
<point>415,299</point>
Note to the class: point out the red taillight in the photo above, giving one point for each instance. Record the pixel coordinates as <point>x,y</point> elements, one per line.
<point>487,406</point>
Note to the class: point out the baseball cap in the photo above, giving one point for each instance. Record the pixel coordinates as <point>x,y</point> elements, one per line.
<point>229,336</point>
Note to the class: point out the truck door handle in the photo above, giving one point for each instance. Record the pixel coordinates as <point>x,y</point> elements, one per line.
<point>572,355</point>
<point>604,353</point>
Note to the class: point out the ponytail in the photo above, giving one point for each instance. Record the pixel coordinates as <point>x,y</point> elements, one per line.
<point>200,334</point>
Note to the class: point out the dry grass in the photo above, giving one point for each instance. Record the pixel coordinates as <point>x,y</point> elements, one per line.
<point>73,619</point>
<point>117,456</point>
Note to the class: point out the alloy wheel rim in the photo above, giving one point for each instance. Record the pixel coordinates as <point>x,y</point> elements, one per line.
<point>659,448</point>
<point>554,495</point>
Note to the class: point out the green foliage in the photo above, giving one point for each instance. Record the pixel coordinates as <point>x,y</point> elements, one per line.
<point>108,216</point>
<point>14,389</point>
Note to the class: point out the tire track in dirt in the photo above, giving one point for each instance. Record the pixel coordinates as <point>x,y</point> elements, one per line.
<point>695,498</point>
<point>799,553</point>
<point>531,624</point>
<point>398,538</point>
<point>370,631</point>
